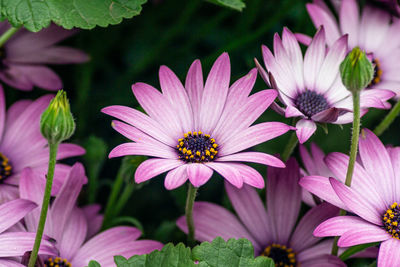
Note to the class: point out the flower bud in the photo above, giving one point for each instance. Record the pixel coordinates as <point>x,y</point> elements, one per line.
<point>356,70</point>
<point>56,122</point>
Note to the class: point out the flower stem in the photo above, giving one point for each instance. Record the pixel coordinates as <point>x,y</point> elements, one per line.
<point>7,35</point>
<point>353,154</point>
<point>191,195</point>
<point>291,145</point>
<point>45,205</point>
<point>388,119</point>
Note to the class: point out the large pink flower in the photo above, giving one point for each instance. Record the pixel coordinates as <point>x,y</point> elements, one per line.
<point>373,197</point>
<point>75,229</point>
<point>196,129</point>
<point>22,145</point>
<point>374,31</point>
<point>271,229</point>
<point>24,55</point>
<point>15,244</point>
<point>311,89</point>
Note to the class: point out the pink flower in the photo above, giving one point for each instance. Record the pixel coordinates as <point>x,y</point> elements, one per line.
<point>374,31</point>
<point>75,229</point>
<point>310,88</point>
<point>24,55</point>
<point>271,229</point>
<point>197,129</point>
<point>22,145</point>
<point>15,244</point>
<point>373,197</point>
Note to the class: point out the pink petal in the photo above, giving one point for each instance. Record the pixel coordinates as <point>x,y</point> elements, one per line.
<point>320,16</point>
<point>337,226</point>
<point>292,111</point>
<point>143,149</point>
<point>13,211</point>
<point>250,210</point>
<point>176,177</point>
<point>198,174</point>
<point>41,76</point>
<point>215,93</point>
<point>256,157</point>
<point>174,91</point>
<point>153,167</point>
<point>373,28</point>
<point>51,55</point>
<point>93,218</point>
<point>249,175</point>
<point>324,260</point>
<point>349,19</point>
<point>313,58</point>
<point>305,128</point>
<point>293,50</point>
<point>15,244</point>
<point>389,253</point>
<point>327,115</point>
<point>303,38</point>
<point>264,75</point>
<point>228,171</point>
<point>2,111</point>
<point>366,234</point>
<point>194,86</point>
<point>356,202</point>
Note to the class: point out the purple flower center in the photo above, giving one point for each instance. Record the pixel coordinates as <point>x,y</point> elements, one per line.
<point>196,147</point>
<point>5,167</point>
<point>57,261</point>
<point>377,72</point>
<point>311,103</point>
<point>391,220</point>
<point>281,254</point>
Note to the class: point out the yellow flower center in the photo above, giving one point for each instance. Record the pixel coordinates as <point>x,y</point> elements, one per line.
<point>5,167</point>
<point>391,220</point>
<point>196,147</point>
<point>281,254</point>
<point>57,262</point>
<point>377,72</point>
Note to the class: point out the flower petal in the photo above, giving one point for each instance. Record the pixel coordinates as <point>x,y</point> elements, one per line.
<point>367,234</point>
<point>228,171</point>
<point>256,157</point>
<point>176,177</point>
<point>13,211</point>
<point>153,167</point>
<point>337,226</point>
<point>389,253</point>
<point>321,16</point>
<point>143,149</point>
<point>305,128</point>
<point>198,174</point>
<point>194,86</point>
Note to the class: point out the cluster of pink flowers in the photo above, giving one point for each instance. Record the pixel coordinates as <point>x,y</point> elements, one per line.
<point>195,129</point>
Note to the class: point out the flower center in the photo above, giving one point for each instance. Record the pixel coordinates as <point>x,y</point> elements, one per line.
<point>197,147</point>
<point>391,220</point>
<point>5,167</point>
<point>377,72</point>
<point>311,103</point>
<point>282,255</point>
<point>57,262</point>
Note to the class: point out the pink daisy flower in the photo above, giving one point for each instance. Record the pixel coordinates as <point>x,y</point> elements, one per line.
<point>22,145</point>
<point>15,244</point>
<point>311,89</point>
<point>24,55</point>
<point>373,198</point>
<point>271,229</point>
<point>196,129</point>
<point>75,229</point>
<point>375,31</point>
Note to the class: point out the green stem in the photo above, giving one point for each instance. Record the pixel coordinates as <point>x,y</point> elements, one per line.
<point>45,205</point>
<point>388,119</point>
<point>7,35</point>
<point>124,197</point>
<point>291,145</point>
<point>353,153</point>
<point>191,195</point>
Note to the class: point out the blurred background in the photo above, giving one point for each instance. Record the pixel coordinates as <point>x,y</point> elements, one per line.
<point>173,33</point>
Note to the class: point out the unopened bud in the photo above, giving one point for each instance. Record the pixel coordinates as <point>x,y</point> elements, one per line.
<point>57,123</point>
<point>356,70</point>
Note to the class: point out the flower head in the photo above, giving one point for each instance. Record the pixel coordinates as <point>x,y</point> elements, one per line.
<point>196,129</point>
<point>271,229</point>
<point>75,229</point>
<point>15,244</point>
<point>374,31</point>
<point>24,55</point>
<point>311,89</point>
<point>373,198</point>
<point>22,145</point>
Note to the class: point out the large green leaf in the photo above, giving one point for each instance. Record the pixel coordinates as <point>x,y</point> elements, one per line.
<point>234,4</point>
<point>234,253</point>
<point>85,14</point>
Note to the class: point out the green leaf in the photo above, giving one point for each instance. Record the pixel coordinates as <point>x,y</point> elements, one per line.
<point>169,256</point>
<point>353,250</point>
<point>233,253</point>
<point>94,264</point>
<point>37,14</point>
<point>234,4</point>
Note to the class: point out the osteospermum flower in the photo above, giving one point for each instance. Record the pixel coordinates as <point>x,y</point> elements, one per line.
<point>74,229</point>
<point>311,89</point>
<point>15,244</point>
<point>373,198</point>
<point>375,31</point>
<point>24,55</point>
<point>196,129</point>
<point>22,145</point>
<point>271,229</point>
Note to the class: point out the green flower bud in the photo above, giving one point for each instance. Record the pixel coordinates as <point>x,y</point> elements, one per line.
<point>356,70</point>
<point>57,123</point>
